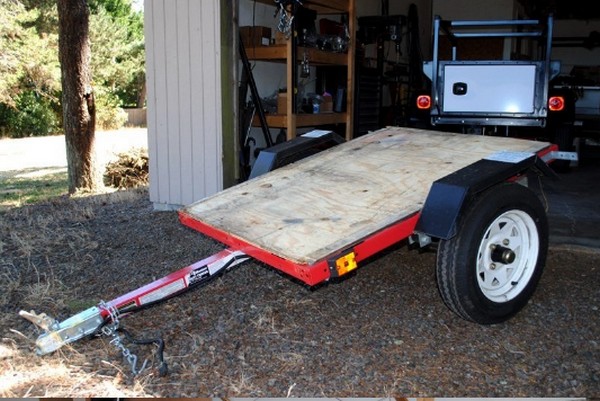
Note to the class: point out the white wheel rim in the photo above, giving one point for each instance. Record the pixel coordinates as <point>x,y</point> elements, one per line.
<point>516,231</point>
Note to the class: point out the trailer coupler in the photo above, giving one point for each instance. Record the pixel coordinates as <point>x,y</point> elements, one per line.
<point>56,334</point>
<point>104,318</point>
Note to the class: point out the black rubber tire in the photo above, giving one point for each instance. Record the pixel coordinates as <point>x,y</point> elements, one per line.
<point>457,257</point>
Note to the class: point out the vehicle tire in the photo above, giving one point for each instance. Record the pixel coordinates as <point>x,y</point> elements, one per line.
<point>488,271</point>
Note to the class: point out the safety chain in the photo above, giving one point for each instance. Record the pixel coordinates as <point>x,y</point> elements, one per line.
<point>110,330</point>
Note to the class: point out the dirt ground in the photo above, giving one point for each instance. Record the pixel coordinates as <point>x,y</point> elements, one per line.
<point>255,333</point>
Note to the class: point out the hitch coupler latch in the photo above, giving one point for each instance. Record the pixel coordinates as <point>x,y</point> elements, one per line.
<point>56,334</point>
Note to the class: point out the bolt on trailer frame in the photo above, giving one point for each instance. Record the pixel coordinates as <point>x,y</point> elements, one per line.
<point>318,218</point>
<point>502,92</point>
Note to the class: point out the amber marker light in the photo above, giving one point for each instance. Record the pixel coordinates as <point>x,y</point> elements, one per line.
<point>346,264</point>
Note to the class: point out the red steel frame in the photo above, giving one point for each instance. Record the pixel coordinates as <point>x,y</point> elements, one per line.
<point>311,275</point>
<point>552,148</point>
<point>178,281</point>
<point>162,288</point>
<point>318,272</point>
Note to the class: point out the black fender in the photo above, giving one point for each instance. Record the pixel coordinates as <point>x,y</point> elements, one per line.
<point>293,150</point>
<point>449,195</point>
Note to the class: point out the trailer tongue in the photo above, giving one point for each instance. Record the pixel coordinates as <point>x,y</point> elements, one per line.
<point>317,219</point>
<point>92,320</point>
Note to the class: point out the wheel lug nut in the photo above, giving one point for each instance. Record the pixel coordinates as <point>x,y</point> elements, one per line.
<point>505,242</point>
<point>492,266</point>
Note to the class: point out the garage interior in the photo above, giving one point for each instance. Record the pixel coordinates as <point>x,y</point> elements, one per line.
<point>392,40</point>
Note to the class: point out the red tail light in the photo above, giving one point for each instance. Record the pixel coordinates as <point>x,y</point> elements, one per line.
<point>424,102</point>
<point>556,103</point>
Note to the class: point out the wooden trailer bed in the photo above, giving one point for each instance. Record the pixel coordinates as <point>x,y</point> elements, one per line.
<point>306,211</point>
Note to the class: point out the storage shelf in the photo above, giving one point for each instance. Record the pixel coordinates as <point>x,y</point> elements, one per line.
<point>320,6</point>
<point>284,54</point>
<point>278,53</point>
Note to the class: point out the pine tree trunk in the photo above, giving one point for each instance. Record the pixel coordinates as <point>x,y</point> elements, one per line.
<point>79,116</point>
<point>141,100</point>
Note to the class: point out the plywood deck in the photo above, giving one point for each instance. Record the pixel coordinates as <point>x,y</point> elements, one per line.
<point>306,211</point>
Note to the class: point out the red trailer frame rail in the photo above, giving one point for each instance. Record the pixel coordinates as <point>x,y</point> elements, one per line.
<point>335,265</point>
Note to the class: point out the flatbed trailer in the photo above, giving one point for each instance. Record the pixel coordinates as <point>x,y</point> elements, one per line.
<point>319,218</point>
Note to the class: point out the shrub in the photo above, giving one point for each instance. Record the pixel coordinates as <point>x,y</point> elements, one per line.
<point>33,115</point>
<point>109,116</point>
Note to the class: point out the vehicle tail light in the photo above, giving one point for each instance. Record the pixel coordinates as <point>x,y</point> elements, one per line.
<point>424,102</point>
<point>556,103</point>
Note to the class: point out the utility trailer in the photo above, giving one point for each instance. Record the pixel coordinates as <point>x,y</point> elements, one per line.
<point>319,218</point>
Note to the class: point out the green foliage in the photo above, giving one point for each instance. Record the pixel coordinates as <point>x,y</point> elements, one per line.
<point>117,57</point>
<point>29,60</point>
<point>46,15</point>
<point>33,115</point>
<point>10,33</point>
<point>123,14</point>
<point>109,115</point>
<point>30,71</point>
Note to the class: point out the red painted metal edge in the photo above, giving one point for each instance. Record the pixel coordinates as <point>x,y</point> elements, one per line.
<point>175,282</point>
<point>385,238</point>
<point>309,274</point>
<point>544,152</point>
<point>319,271</point>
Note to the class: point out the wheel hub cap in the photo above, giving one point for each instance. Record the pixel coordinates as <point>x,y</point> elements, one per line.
<point>502,254</point>
<point>507,256</point>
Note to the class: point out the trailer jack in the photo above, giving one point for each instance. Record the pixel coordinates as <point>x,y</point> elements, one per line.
<point>105,317</point>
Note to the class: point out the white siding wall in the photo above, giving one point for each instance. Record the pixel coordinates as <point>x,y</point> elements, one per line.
<point>184,100</point>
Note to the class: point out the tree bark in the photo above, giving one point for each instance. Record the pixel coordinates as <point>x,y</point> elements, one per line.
<point>141,100</point>
<point>79,114</point>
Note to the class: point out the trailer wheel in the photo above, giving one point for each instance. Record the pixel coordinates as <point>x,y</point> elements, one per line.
<point>489,270</point>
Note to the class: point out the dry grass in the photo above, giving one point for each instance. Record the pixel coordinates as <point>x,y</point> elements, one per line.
<point>30,278</point>
<point>63,374</point>
<point>252,333</point>
<point>31,187</point>
<point>130,170</point>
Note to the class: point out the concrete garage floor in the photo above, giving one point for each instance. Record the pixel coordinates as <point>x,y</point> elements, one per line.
<point>574,205</point>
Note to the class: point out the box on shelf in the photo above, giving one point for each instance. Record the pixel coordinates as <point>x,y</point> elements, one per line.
<point>327,104</point>
<point>253,36</point>
<point>280,38</point>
